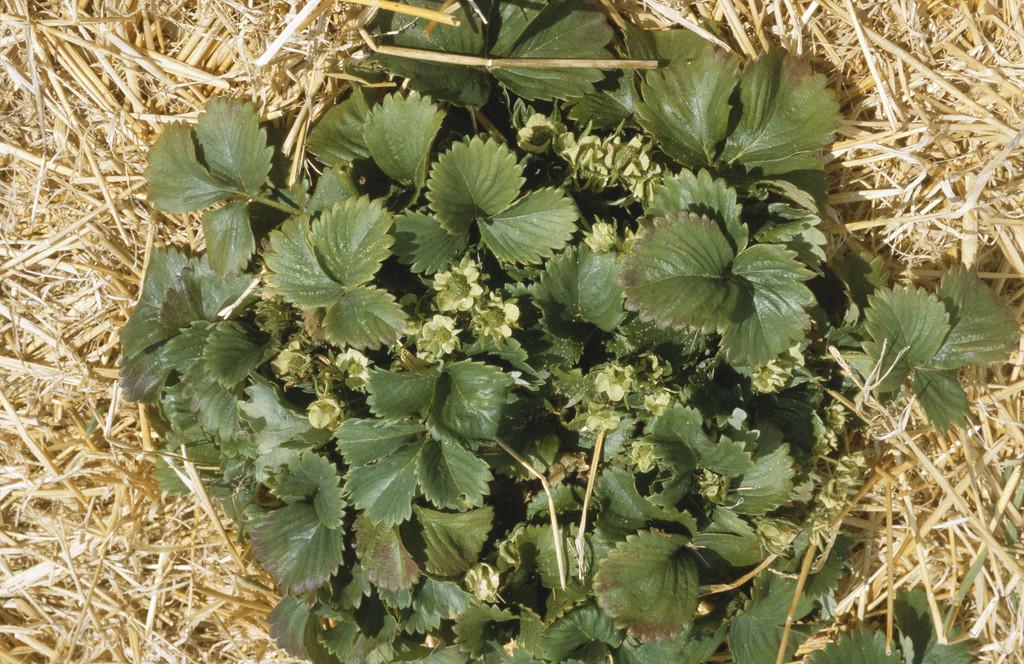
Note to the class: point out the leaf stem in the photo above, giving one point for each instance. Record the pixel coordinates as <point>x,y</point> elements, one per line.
<point>555,534</point>
<point>591,477</point>
<point>270,202</point>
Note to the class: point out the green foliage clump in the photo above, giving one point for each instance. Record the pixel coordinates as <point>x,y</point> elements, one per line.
<point>538,392</point>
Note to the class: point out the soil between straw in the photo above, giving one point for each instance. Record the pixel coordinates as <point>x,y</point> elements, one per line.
<point>97,566</point>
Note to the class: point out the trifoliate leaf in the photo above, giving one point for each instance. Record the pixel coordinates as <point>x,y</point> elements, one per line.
<point>229,239</point>
<point>364,318</point>
<point>756,634</point>
<point>197,293</point>
<point>624,510</point>
<point>387,563</point>
<point>310,475</point>
<point>827,578</point>
<point>234,147</point>
<point>695,645</point>
<point>176,181</point>
<point>351,240</point>
<point>295,272</point>
<point>338,137</point>
<point>143,376</point>
<point>280,431</point>
<point>682,425</point>
<point>674,273</point>
<point>291,544</point>
<point>399,133</point>
<point>186,348</point>
<point>581,286</point>
<point>451,476</point>
<point>917,631</point>
<point>289,626</point>
<point>584,633</point>
<point>981,327</point>
<point>766,485</point>
<point>453,541</point>
<point>797,230</point>
<point>533,228</point>
<point>436,601</point>
<point>941,396</point>
<point>232,351</point>
<point>567,29</point>
<point>704,195</point>
<point>529,552</point>
<point>770,312</point>
<point>215,406</point>
<point>483,629</point>
<point>422,243</point>
<point>728,548</point>
<point>465,86</point>
<point>786,116</point>
<point>470,401</point>
<point>396,395</point>
<point>860,647</point>
<point>648,585</point>
<point>363,441</point>
<point>686,105</point>
<point>909,325</point>
<point>334,186</point>
<point>472,180</point>
<point>382,477</point>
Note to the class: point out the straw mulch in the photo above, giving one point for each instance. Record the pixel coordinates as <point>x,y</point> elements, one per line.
<point>97,566</point>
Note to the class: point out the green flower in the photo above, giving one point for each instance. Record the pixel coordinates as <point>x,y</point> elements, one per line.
<point>776,535</point>
<point>602,237</point>
<point>641,453</point>
<point>614,382</point>
<point>495,318</point>
<point>538,133</point>
<point>458,288</point>
<point>776,375</point>
<point>292,365</point>
<point>356,368</point>
<point>324,413</point>
<point>483,582</point>
<point>437,338</point>
<point>656,402</point>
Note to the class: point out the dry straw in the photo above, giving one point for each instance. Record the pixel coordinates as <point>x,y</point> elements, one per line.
<point>97,566</point>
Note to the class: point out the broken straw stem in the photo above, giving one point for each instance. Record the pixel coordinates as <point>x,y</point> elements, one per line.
<point>555,534</point>
<point>591,477</point>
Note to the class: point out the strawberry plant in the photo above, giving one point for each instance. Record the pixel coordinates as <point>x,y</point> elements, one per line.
<point>532,364</point>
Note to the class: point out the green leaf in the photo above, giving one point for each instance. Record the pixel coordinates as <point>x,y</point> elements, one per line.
<point>453,540</point>
<point>756,634</point>
<point>451,476</point>
<point>473,179</point>
<point>364,318</point>
<point>233,350</point>
<point>351,240</point>
<point>770,314</point>
<point>909,325</point>
<point>383,487</point>
<point>863,646</point>
<point>311,475</point>
<point>186,348</point>
<point>295,272</point>
<point>941,396</point>
<point>787,115</point>
<point>704,195</point>
<point>624,510</point>
<point>982,327</point>
<point>648,585</point>
<point>436,601</point>
<point>338,137</point>
<point>827,578</point>
<point>581,286</point>
<point>422,243</point>
<point>917,631</point>
<point>583,633</point>
<point>362,442</point>
<point>387,563</point>
<point>280,431</point>
<point>234,147</point>
<point>399,133</point>
<point>465,86</point>
<point>229,239</point>
<point>143,375</point>
<point>291,544</point>
<point>396,395</point>
<point>334,186</point>
<point>533,228</point>
<point>176,181</point>
<point>766,485</point>
<point>567,29</point>
<point>483,628</point>
<point>288,626</point>
<point>683,425</point>
<point>471,399</point>
<point>686,105</point>
<point>674,273</point>
<point>215,406</point>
